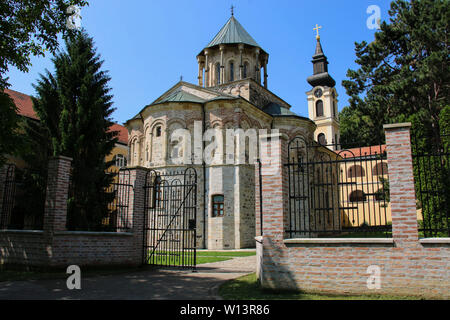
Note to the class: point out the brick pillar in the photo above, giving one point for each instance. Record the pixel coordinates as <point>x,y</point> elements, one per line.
<point>401,184</point>
<point>275,210</point>
<point>55,214</point>
<point>137,211</point>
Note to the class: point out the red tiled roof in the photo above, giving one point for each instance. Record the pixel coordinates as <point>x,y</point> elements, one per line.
<point>23,103</point>
<point>123,132</point>
<point>24,106</point>
<point>363,151</point>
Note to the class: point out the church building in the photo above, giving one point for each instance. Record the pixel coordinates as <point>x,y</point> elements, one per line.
<point>232,93</point>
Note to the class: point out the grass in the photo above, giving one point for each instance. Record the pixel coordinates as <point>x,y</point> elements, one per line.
<point>248,288</point>
<point>225,253</point>
<point>203,256</point>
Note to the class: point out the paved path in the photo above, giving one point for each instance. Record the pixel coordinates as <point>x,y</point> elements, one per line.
<point>146,284</point>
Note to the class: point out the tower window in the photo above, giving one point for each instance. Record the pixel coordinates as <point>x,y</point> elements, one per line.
<point>319,108</point>
<point>158,131</point>
<point>217,73</point>
<point>245,75</point>
<point>231,71</point>
<point>321,138</point>
<point>217,205</point>
<point>319,67</point>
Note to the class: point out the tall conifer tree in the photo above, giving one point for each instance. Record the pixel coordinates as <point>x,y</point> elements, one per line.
<point>403,75</point>
<point>75,107</point>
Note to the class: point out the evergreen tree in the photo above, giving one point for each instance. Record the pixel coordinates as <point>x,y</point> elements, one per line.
<point>75,107</point>
<point>10,141</point>
<point>403,76</point>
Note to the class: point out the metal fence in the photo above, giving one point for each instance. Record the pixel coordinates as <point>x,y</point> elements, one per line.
<point>22,199</point>
<point>337,193</point>
<point>112,212</point>
<point>171,218</point>
<point>431,162</point>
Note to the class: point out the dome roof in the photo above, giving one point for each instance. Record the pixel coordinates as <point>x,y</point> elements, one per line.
<point>233,32</point>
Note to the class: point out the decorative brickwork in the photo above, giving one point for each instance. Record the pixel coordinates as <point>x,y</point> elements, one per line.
<point>408,266</point>
<point>401,181</point>
<point>55,214</point>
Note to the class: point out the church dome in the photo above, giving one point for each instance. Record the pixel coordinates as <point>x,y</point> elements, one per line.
<point>233,33</point>
<point>230,56</point>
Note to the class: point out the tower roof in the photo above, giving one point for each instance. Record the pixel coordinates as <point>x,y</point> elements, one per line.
<point>233,32</point>
<point>319,50</point>
<point>321,77</point>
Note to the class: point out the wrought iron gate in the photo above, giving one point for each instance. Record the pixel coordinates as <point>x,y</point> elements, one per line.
<point>334,193</point>
<point>170,218</point>
<point>8,197</point>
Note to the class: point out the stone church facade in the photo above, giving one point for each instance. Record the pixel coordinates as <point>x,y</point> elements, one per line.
<point>232,93</point>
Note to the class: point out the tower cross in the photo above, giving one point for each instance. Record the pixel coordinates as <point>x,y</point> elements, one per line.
<point>232,10</point>
<point>317,28</point>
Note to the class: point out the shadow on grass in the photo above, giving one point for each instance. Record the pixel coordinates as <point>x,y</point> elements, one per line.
<point>248,288</point>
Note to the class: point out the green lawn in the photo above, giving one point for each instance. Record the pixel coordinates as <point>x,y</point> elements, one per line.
<point>205,253</point>
<point>247,288</point>
<point>203,256</point>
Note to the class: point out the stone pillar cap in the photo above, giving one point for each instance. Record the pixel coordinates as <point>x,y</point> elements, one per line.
<point>397,125</point>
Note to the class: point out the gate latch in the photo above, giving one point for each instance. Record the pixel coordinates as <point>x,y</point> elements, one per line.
<point>192,224</point>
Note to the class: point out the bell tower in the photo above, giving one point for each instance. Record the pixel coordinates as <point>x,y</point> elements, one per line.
<point>322,100</point>
<point>232,55</point>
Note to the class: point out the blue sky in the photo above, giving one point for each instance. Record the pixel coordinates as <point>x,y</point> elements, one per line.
<point>148,45</point>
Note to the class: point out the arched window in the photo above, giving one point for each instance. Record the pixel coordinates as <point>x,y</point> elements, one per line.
<point>357,196</point>
<point>322,139</point>
<point>356,171</point>
<point>158,131</point>
<point>380,169</point>
<point>319,108</point>
<point>245,75</point>
<point>231,71</point>
<point>217,73</point>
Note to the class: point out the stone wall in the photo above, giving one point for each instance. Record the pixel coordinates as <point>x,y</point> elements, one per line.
<point>408,265</point>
